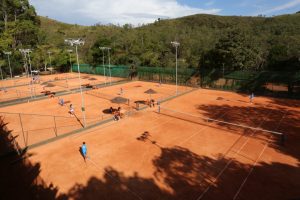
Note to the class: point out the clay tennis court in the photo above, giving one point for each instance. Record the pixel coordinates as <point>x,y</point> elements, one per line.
<point>38,121</point>
<point>172,154</point>
<point>21,88</point>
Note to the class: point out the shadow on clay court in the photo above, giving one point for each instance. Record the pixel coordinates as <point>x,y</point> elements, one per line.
<point>78,120</point>
<point>20,179</point>
<point>146,137</point>
<point>186,175</point>
<point>80,151</point>
<point>282,120</point>
<point>141,102</point>
<point>106,111</point>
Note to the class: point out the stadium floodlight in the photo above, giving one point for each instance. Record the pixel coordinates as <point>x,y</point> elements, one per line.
<point>176,45</point>
<point>70,51</point>
<point>8,53</point>
<point>103,48</point>
<point>76,43</point>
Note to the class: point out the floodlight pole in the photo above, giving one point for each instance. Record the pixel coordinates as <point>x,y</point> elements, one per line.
<point>108,49</point>
<point>70,51</point>
<point>49,52</point>
<point>82,99</point>
<point>103,48</point>
<point>176,45</point>
<point>77,42</point>
<point>9,53</point>
<point>25,51</point>
<point>28,51</point>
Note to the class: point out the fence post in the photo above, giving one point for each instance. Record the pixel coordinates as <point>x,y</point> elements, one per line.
<point>22,129</point>
<point>55,128</point>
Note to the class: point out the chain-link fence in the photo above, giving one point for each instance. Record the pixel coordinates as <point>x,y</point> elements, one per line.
<point>107,70</point>
<point>267,83</point>
<point>153,74</point>
<point>167,75</point>
<point>30,129</point>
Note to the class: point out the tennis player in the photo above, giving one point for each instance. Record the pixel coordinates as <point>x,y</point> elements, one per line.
<point>71,109</point>
<point>84,151</point>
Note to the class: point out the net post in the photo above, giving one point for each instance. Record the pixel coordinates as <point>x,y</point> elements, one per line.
<point>22,129</point>
<point>55,128</point>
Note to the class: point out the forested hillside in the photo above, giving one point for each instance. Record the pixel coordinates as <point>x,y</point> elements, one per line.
<point>206,41</point>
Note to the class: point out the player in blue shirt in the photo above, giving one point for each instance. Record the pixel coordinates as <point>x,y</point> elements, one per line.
<point>84,150</point>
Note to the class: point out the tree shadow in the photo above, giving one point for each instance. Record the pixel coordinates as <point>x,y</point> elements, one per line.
<point>19,178</point>
<point>269,118</point>
<point>186,175</point>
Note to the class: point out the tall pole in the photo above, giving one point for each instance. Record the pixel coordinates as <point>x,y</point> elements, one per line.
<point>176,73</point>
<point>30,74</point>
<point>176,45</point>
<point>49,52</point>
<point>31,88</point>
<point>9,66</point>
<point>27,71</point>
<point>109,65</point>
<point>77,42</point>
<point>70,51</point>
<point>82,99</point>
<point>29,63</point>
<point>104,73</point>
<point>9,53</point>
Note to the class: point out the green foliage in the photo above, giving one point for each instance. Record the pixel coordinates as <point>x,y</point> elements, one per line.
<point>206,41</point>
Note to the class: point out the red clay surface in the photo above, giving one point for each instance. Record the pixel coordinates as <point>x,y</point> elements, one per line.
<point>37,121</point>
<point>177,159</point>
<point>54,83</point>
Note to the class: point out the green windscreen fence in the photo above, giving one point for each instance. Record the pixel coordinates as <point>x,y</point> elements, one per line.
<point>268,83</point>
<point>166,75</point>
<point>112,70</point>
<point>157,74</point>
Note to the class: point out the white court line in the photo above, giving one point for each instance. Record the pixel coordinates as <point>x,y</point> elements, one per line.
<point>230,161</point>
<point>125,143</point>
<point>131,191</point>
<point>253,167</point>
<point>202,129</point>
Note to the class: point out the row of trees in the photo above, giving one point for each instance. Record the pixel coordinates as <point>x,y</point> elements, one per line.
<point>206,41</point>
<point>20,29</point>
<point>235,43</point>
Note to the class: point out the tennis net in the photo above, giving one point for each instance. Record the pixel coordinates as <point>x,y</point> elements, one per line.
<point>63,84</point>
<point>113,99</point>
<point>257,132</point>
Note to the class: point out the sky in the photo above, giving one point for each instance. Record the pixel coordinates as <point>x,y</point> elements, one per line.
<point>138,12</point>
